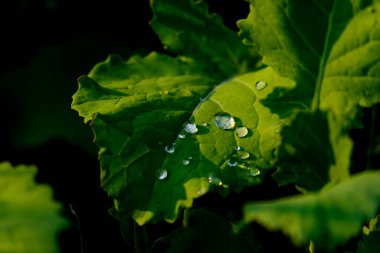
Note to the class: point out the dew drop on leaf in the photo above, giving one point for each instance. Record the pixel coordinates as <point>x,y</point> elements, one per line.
<point>260,85</point>
<point>215,180</point>
<point>232,162</point>
<point>181,136</point>
<point>237,148</point>
<point>243,154</point>
<point>204,124</point>
<point>186,161</point>
<point>170,149</point>
<point>241,131</point>
<point>190,128</point>
<point>162,174</point>
<point>224,121</point>
<point>254,172</point>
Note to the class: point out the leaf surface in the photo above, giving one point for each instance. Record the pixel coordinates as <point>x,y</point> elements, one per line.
<point>328,218</point>
<point>30,219</point>
<point>188,29</point>
<point>137,114</point>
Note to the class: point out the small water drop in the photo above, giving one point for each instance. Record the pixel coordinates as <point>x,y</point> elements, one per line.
<point>170,149</point>
<point>276,130</point>
<point>241,131</point>
<point>204,124</point>
<point>243,154</point>
<point>162,174</point>
<point>254,172</point>
<point>186,161</point>
<point>181,136</point>
<point>260,85</point>
<point>224,121</point>
<point>237,148</point>
<point>215,180</point>
<point>190,128</point>
<point>232,162</point>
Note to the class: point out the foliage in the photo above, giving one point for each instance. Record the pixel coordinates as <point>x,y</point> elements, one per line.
<point>30,218</point>
<point>214,117</point>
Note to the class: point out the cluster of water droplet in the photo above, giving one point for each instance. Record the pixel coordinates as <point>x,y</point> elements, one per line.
<point>224,121</point>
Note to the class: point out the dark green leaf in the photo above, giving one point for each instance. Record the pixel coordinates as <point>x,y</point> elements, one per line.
<point>328,218</point>
<point>30,219</point>
<point>306,155</point>
<point>371,237</point>
<point>205,232</point>
<point>188,29</point>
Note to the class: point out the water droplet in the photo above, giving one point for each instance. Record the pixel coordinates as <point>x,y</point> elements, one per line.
<point>243,154</point>
<point>170,149</point>
<point>276,130</point>
<point>237,148</point>
<point>232,162</point>
<point>190,128</point>
<point>162,174</point>
<point>254,172</point>
<point>241,131</point>
<point>204,124</point>
<point>181,136</point>
<point>224,121</point>
<point>186,161</point>
<point>260,85</point>
<point>215,180</point>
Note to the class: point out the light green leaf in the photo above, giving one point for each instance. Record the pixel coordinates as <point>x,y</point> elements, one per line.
<point>328,218</point>
<point>352,75</point>
<point>188,29</point>
<point>306,155</point>
<point>30,219</point>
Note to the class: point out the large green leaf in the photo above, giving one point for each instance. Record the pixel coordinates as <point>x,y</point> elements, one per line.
<point>138,107</point>
<point>352,73</point>
<point>328,218</point>
<point>187,28</point>
<point>30,219</point>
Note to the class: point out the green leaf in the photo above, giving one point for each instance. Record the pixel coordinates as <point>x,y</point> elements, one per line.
<point>30,219</point>
<point>136,108</point>
<point>204,231</point>
<point>352,74</point>
<point>188,29</point>
<point>295,38</point>
<point>328,218</point>
<point>306,155</point>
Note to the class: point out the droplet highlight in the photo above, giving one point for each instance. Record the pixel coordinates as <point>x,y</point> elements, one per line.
<point>260,85</point>
<point>224,121</point>
<point>170,149</point>
<point>186,161</point>
<point>215,181</point>
<point>232,162</point>
<point>204,124</point>
<point>254,172</point>
<point>162,174</point>
<point>237,148</point>
<point>241,131</point>
<point>243,154</point>
<point>190,128</point>
<point>181,136</point>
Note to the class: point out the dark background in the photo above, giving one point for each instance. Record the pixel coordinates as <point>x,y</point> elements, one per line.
<point>45,46</point>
